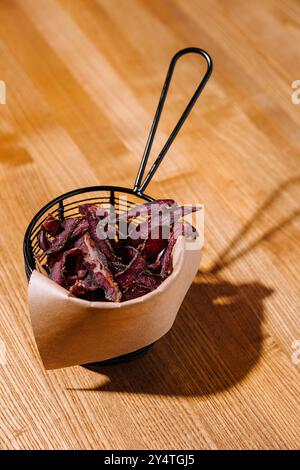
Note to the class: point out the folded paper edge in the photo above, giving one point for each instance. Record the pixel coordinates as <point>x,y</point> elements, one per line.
<point>63,293</point>
<point>111,305</point>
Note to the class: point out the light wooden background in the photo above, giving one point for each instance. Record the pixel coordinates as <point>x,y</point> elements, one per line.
<point>83,78</point>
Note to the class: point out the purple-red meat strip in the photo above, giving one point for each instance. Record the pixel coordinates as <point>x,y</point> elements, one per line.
<point>136,266</point>
<point>99,276</point>
<point>180,228</point>
<point>152,248</point>
<point>72,267</point>
<point>56,273</point>
<point>142,209</point>
<point>134,292</point>
<point>62,238</point>
<point>149,280</point>
<point>78,259</point>
<point>146,282</point>
<point>43,240</point>
<point>104,245</point>
<point>159,223</point>
<point>52,225</point>
<point>80,229</point>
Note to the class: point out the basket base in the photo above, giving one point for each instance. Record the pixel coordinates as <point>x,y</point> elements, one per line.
<point>96,366</point>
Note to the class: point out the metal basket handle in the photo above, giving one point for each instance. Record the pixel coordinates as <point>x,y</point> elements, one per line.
<point>140,185</point>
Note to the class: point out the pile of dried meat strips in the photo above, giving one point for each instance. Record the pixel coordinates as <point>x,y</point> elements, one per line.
<point>130,260</point>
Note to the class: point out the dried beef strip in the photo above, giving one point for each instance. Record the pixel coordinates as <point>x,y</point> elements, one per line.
<point>63,237</point>
<point>56,273</point>
<point>81,229</point>
<point>136,266</point>
<point>180,228</point>
<point>149,280</point>
<point>159,224</point>
<point>152,248</point>
<point>113,268</point>
<point>99,276</point>
<point>142,209</point>
<point>155,267</point>
<point>52,225</point>
<point>104,245</point>
<point>134,292</point>
<point>176,213</point>
<point>145,283</point>
<point>72,265</point>
<point>43,240</point>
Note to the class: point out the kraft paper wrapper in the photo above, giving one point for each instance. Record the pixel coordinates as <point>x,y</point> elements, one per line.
<point>70,331</point>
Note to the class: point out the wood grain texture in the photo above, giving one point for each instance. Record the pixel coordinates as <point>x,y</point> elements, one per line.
<point>83,78</point>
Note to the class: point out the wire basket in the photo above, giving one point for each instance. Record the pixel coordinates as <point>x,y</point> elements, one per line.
<point>67,205</point>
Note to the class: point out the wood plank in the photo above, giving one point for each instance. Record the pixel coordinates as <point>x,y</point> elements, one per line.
<point>83,79</point>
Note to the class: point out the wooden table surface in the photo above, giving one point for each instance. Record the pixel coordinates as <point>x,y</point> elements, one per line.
<point>82,82</point>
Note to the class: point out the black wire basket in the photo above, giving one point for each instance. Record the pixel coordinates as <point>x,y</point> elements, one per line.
<point>67,205</point>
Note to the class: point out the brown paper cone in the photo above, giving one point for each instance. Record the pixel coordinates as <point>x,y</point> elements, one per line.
<point>71,331</point>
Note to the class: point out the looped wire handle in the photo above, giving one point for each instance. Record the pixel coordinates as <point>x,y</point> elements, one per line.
<point>140,186</point>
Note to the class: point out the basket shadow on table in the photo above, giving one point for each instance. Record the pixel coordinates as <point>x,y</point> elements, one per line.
<point>217,336</point>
